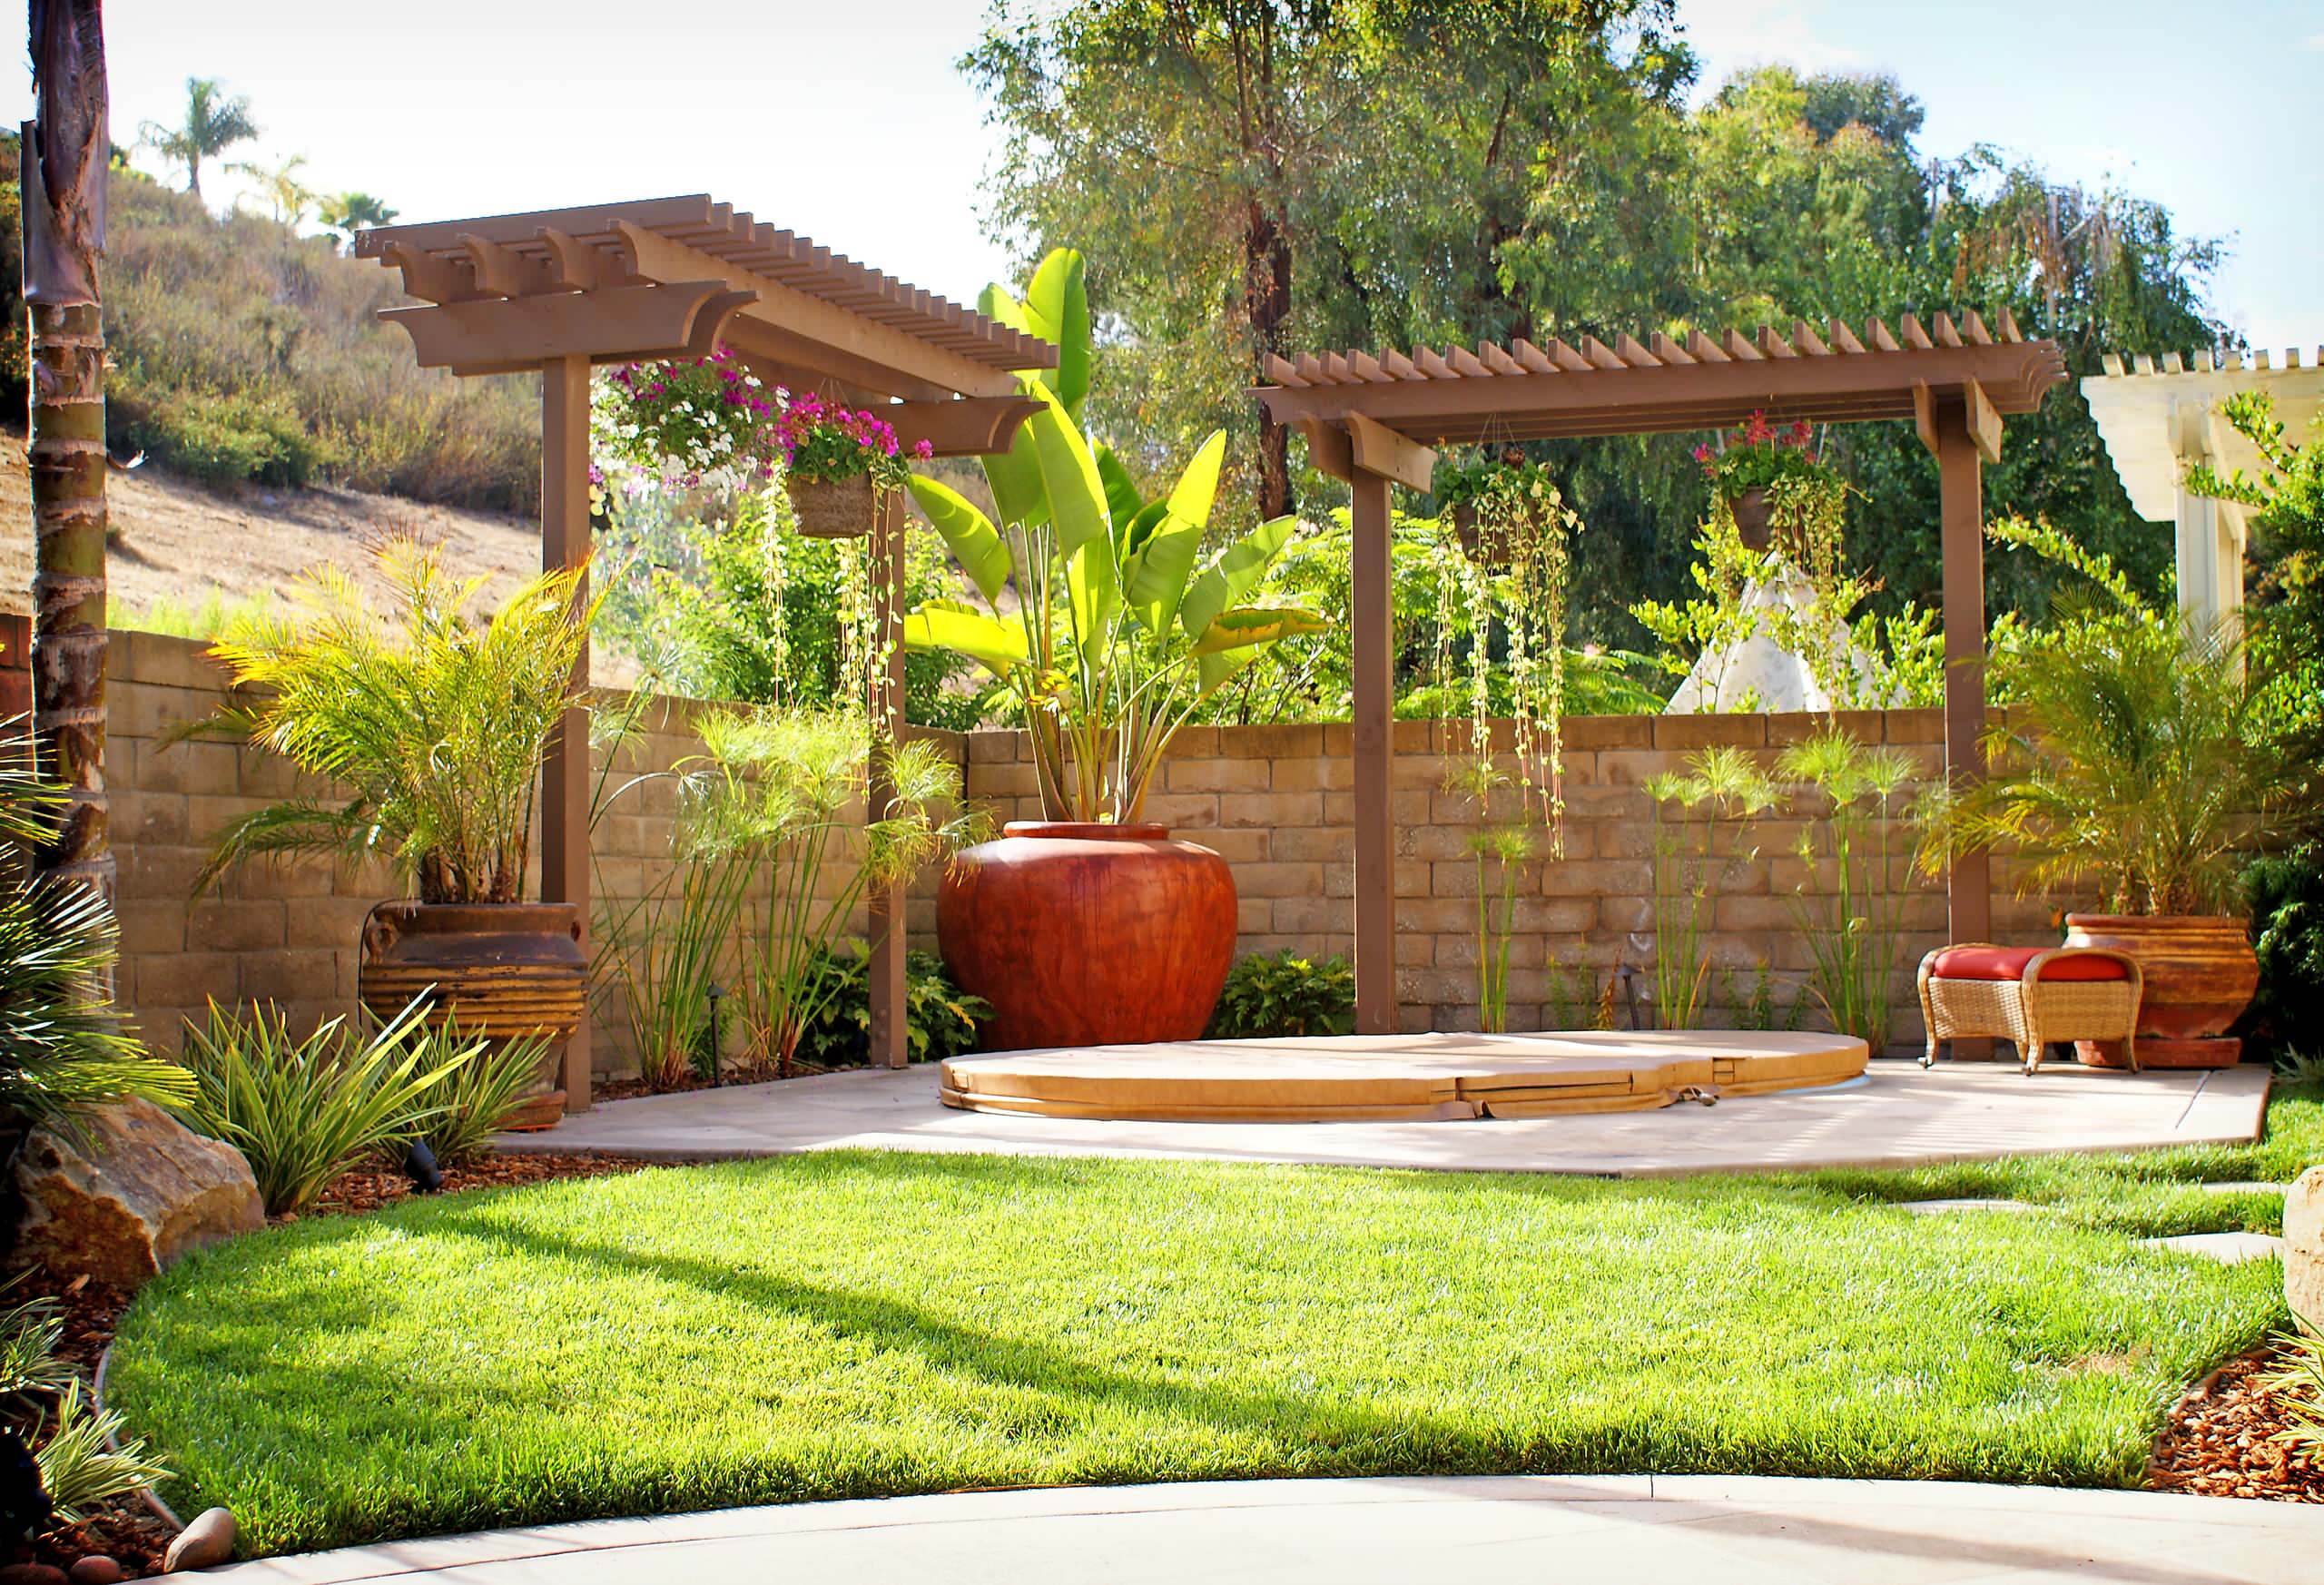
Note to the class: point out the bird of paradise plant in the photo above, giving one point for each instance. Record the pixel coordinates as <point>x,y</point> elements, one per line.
<point>1098,618</point>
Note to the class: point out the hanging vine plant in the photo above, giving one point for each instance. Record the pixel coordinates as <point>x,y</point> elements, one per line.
<point>1505,589</point>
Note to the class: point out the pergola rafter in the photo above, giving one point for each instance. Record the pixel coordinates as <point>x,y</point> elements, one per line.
<point>559,291</point>
<point>1370,418</point>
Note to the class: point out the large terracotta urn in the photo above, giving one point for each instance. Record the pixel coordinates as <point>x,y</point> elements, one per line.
<point>2200,973</point>
<point>1088,935</point>
<point>501,971</point>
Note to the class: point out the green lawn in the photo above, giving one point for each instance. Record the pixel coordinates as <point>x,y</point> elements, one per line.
<point>854,1324</point>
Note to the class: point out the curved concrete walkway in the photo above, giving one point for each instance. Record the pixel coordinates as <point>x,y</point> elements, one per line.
<point>1639,1530</point>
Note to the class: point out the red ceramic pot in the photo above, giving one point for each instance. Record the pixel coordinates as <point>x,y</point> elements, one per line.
<point>2200,975</point>
<point>1088,935</point>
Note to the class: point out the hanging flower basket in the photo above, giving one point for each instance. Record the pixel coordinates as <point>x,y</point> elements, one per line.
<point>1500,505</point>
<point>1749,509</point>
<point>834,509</point>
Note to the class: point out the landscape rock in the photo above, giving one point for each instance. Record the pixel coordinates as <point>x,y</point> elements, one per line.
<point>144,1191</point>
<point>97,1569</point>
<point>208,1541</point>
<point>2304,1247</point>
<point>32,1574</point>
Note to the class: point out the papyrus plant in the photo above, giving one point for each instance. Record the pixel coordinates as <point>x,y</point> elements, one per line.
<point>1854,928</point>
<point>1730,790</point>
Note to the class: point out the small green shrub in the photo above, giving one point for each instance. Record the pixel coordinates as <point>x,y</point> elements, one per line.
<point>2300,1380</point>
<point>941,1019</point>
<point>224,440</point>
<point>302,1112</point>
<point>1284,994</point>
<point>2287,897</point>
<point>486,1084</point>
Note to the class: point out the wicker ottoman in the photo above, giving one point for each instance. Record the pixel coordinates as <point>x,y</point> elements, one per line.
<point>2030,994</point>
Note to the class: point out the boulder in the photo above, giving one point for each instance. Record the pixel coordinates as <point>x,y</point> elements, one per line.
<point>142,1190</point>
<point>2304,1247</point>
<point>205,1543</point>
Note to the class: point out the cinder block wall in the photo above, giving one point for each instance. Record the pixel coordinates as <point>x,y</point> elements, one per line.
<point>1273,800</point>
<point>287,933</point>
<point>1276,801</point>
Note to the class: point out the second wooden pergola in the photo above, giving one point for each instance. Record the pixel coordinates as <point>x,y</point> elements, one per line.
<point>1371,418</point>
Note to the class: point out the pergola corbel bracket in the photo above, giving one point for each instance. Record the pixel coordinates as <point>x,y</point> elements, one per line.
<point>496,335</point>
<point>963,427</point>
<point>1376,448</point>
<point>1982,418</point>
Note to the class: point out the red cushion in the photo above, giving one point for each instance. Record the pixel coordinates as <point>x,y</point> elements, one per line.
<point>2009,963</point>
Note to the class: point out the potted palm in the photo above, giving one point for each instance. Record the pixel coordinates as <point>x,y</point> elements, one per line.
<point>1109,630</point>
<point>2135,760</point>
<point>432,726</point>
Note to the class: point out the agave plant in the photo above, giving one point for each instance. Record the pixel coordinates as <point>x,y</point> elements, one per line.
<point>437,723</point>
<point>2135,759</point>
<point>62,1044</point>
<point>1098,618</point>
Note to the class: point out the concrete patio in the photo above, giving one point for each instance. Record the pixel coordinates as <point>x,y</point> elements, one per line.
<point>1897,1115</point>
<point>1650,1530</point>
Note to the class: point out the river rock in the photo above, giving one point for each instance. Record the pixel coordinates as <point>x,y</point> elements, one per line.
<point>144,1190</point>
<point>2304,1247</point>
<point>205,1543</point>
<point>97,1569</point>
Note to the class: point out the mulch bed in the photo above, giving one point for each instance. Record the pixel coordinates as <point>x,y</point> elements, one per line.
<point>131,1535</point>
<point>613,1090</point>
<point>2221,1438</point>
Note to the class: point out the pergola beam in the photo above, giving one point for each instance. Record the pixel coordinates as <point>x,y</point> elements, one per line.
<point>621,325</point>
<point>877,355</point>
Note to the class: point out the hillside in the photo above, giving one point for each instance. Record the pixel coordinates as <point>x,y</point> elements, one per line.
<point>180,542</point>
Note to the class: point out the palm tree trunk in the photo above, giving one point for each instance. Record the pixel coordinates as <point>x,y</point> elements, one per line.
<point>65,156</point>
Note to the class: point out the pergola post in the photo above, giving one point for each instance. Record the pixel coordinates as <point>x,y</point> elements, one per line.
<point>1372,644</point>
<point>1963,432</point>
<point>565,772</point>
<point>886,900</point>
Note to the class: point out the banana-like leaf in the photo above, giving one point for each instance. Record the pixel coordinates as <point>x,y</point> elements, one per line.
<point>1058,301</point>
<point>1134,533</point>
<point>1197,486</point>
<point>1077,494</point>
<point>1216,670</point>
<point>1121,494</point>
<point>1092,583</point>
<point>1233,575</point>
<point>1014,476</point>
<point>997,646</point>
<point>1249,626</point>
<point>967,531</point>
<point>1153,574</point>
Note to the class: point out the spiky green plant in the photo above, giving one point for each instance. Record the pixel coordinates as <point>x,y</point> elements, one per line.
<point>2136,762</point>
<point>1732,791</point>
<point>434,722</point>
<point>30,1329</point>
<point>62,1044</point>
<point>486,1083</point>
<point>84,1463</point>
<point>302,1111</point>
<point>1853,930</point>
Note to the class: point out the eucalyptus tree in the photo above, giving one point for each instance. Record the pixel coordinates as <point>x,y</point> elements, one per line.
<point>215,121</point>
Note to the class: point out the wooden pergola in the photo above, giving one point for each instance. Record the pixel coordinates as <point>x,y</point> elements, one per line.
<point>559,291</point>
<point>1370,420</point>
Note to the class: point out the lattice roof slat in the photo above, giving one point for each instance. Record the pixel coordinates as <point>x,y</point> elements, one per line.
<point>1525,392</point>
<point>737,240</point>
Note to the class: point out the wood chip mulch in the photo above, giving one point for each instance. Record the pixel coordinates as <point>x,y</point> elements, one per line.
<point>353,1193</point>
<point>2221,1438</point>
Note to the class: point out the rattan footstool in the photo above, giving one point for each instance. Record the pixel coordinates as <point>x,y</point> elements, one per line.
<point>2030,994</point>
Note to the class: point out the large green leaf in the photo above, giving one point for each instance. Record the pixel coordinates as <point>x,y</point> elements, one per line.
<point>1154,574</point>
<point>1248,626</point>
<point>1014,476</point>
<point>967,531</point>
<point>997,646</point>
<point>1233,575</point>
<point>1076,495</point>
<point>1121,492</point>
<point>1059,304</point>
<point>1197,486</point>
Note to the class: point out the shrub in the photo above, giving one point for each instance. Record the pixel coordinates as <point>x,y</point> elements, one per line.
<point>2287,897</point>
<point>486,1083</point>
<point>1284,994</point>
<point>222,439</point>
<point>941,1019</point>
<point>302,1112</point>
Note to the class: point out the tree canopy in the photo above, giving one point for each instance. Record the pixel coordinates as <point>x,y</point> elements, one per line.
<point>1257,176</point>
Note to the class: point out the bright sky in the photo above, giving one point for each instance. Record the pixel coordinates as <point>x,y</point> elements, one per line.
<point>848,122</point>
